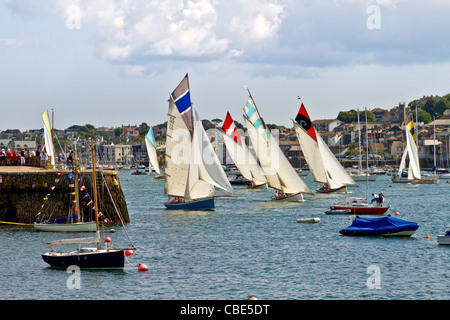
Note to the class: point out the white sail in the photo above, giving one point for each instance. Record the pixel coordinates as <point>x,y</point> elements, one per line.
<point>289,179</point>
<point>192,167</point>
<point>244,160</point>
<point>48,138</point>
<point>414,167</point>
<point>311,152</point>
<point>151,150</point>
<point>178,153</point>
<point>262,152</point>
<point>279,172</point>
<point>323,164</point>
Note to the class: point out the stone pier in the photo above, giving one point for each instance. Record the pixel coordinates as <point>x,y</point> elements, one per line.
<point>24,190</point>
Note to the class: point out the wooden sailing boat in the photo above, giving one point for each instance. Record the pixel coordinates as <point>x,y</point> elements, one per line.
<point>322,163</point>
<point>87,257</point>
<point>360,205</point>
<point>151,151</point>
<point>74,223</point>
<point>192,168</point>
<point>279,173</point>
<point>241,156</point>
<point>411,151</point>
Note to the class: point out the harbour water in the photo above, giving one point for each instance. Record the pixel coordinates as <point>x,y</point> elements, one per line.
<point>248,246</point>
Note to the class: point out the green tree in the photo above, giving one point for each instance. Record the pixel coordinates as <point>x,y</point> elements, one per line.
<point>422,116</point>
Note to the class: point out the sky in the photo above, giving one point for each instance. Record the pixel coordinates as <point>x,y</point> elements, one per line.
<point>115,62</point>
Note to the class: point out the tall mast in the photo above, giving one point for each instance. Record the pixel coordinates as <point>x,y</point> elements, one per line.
<point>95,189</point>
<point>359,144</point>
<point>367,159</point>
<point>77,198</point>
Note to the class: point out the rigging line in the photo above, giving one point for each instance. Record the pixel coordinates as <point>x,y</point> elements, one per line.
<point>117,210</point>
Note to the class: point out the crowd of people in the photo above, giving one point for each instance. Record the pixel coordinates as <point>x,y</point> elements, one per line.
<point>23,157</point>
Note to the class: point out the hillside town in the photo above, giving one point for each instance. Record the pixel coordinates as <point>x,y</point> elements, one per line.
<point>384,133</point>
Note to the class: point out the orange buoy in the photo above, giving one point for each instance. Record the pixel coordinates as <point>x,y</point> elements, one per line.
<point>107,239</point>
<point>142,267</point>
<point>128,253</point>
<point>428,237</point>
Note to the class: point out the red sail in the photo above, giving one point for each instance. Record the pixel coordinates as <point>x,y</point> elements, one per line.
<point>304,121</point>
<point>230,128</point>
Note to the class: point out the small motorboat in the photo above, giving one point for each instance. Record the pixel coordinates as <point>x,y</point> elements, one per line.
<point>380,226</point>
<point>338,212</point>
<point>308,220</point>
<point>445,239</point>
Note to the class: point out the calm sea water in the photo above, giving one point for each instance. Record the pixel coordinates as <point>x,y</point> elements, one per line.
<point>248,246</point>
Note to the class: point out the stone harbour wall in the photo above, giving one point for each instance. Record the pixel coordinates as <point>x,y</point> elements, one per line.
<point>24,194</point>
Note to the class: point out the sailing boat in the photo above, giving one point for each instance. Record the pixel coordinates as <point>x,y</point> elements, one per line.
<point>72,223</point>
<point>87,257</point>
<point>241,156</point>
<point>322,163</point>
<point>192,168</point>
<point>358,205</point>
<point>414,175</point>
<point>279,173</point>
<point>151,150</point>
<point>48,139</point>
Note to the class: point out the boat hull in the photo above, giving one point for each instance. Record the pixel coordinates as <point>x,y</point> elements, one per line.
<point>371,177</point>
<point>444,240</point>
<point>289,197</point>
<point>403,233</point>
<point>259,186</point>
<point>87,258</point>
<point>360,209</point>
<point>66,227</point>
<point>308,220</point>
<point>200,204</point>
<point>342,189</point>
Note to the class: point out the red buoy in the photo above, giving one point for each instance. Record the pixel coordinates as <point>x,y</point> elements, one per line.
<point>142,267</point>
<point>107,239</point>
<point>396,213</point>
<point>128,253</point>
<point>252,298</point>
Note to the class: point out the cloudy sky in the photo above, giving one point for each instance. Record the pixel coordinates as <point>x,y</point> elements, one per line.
<point>114,62</point>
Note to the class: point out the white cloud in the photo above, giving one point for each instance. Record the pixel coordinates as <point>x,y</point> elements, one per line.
<point>128,30</point>
<point>264,33</point>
